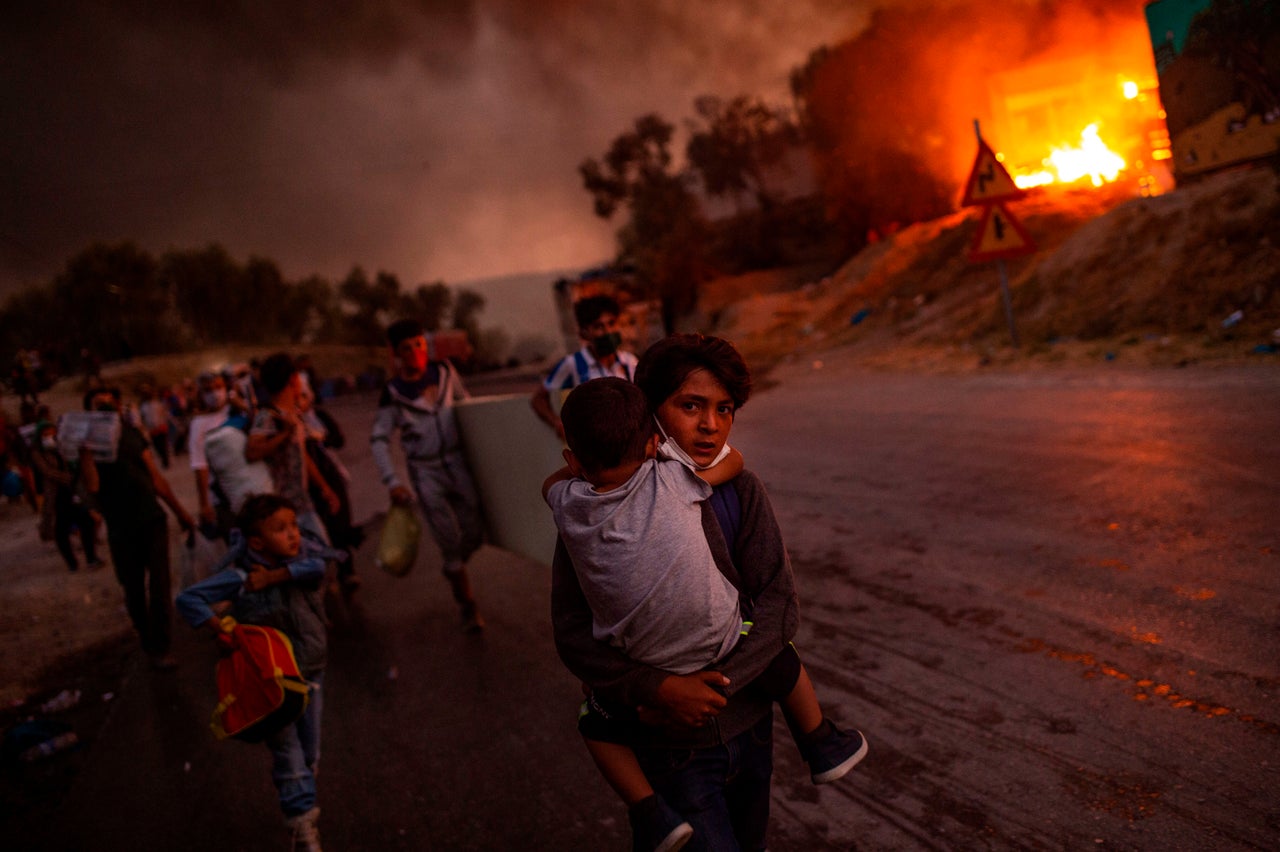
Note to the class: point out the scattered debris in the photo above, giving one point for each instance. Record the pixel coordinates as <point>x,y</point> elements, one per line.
<point>64,700</point>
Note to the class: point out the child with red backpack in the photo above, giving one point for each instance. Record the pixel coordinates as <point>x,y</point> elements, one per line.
<point>273,576</point>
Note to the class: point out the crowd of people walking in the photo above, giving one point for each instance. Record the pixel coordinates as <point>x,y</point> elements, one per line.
<point>672,596</point>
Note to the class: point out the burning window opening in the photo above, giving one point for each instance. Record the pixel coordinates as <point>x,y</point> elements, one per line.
<point>1072,123</point>
<point>1091,159</point>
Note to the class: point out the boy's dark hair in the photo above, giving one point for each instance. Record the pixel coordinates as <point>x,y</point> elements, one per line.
<point>257,509</point>
<point>606,422</point>
<point>590,308</point>
<point>666,364</point>
<point>276,372</point>
<point>401,330</point>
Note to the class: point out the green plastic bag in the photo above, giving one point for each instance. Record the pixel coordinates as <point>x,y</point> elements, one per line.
<point>398,546</point>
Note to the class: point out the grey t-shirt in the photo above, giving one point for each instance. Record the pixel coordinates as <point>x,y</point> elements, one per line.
<point>646,569</point>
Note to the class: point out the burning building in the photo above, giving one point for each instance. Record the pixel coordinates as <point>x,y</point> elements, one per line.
<point>1065,92</point>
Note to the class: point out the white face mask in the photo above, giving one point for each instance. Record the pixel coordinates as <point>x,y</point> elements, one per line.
<point>215,399</point>
<point>669,449</point>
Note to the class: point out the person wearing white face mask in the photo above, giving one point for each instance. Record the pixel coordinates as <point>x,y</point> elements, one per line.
<point>64,508</point>
<point>212,403</point>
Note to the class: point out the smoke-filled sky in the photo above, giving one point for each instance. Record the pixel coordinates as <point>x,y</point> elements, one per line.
<point>435,139</point>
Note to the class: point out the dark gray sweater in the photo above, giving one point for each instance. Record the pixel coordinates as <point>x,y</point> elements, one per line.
<point>756,564</point>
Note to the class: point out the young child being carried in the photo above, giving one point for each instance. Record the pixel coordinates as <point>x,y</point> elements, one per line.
<point>632,524</point>
<point>273,576</point>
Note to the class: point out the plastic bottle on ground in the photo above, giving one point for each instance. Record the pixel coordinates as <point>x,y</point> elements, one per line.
<point>50,747</point>
<point>63,700</point>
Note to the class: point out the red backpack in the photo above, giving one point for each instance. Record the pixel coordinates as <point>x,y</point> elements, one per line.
<point>259,687</point>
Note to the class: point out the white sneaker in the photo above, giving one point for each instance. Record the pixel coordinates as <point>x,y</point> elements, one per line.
<point>306,835</point>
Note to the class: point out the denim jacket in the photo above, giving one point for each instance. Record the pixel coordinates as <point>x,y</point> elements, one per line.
<point>296,608</point>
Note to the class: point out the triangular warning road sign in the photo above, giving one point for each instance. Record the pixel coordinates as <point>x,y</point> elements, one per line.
<point>989,180</point>
<point>999,235</point>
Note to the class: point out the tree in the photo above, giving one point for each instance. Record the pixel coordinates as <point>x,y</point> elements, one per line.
<point>738,145</point>
<point>371,304</point>
<point>116,303</point>
<point>666,235</point>
<point>269,300</point>
<point>311,312</point>
<point>871,141</point>
<point>209,290</point>
<point>30,318</point>
<point>466,313</point>
<point>637,159</point>
<point>428,303</point>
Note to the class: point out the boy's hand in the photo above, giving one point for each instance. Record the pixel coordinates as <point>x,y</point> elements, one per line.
<point>258,578</point>
<point>691,700</point>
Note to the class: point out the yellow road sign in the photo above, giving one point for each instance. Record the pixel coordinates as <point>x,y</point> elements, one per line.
<point>999,235</point>
<point>989,181</point>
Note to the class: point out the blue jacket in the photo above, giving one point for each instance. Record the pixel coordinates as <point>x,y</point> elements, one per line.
<point>295,608</point>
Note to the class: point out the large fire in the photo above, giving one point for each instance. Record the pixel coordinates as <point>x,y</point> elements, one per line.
<point>1091,159</point>
<point>1070,123</point>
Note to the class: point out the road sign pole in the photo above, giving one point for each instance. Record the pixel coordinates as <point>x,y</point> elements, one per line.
<point>1008,301</point>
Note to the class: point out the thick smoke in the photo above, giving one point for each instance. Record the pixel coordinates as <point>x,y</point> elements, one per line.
<point>431,139</point>
<point>894,107</point>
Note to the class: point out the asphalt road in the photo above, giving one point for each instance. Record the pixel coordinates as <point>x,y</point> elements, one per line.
<point>1049,600</point>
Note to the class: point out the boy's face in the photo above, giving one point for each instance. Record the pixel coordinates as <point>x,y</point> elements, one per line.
<point>698,416</point>
<point>412,352</point>
<point>278,535</point>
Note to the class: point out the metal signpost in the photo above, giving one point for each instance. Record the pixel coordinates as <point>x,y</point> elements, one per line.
<point>999,234</point>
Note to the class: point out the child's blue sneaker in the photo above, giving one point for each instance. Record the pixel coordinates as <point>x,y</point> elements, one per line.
<point>833,755</point>
<point>657,827</point>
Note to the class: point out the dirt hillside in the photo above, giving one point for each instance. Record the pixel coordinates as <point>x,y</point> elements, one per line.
<point>1116,277</point>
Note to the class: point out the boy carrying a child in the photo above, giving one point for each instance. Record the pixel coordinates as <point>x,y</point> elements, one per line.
<point>632,526</point>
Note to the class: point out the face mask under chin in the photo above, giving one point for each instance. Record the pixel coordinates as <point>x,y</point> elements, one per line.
<point>669,449</point>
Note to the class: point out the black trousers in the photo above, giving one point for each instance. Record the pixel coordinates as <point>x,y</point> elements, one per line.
<point>141,557</point>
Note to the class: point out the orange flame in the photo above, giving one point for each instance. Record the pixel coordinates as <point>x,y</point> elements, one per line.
<point>1091,159</point>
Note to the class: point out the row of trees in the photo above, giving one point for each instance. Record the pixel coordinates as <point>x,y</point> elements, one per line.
<point>117,301</point>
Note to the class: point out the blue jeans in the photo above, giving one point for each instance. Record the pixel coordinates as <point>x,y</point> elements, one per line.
<point>723,791</point>
<point>295,750</point>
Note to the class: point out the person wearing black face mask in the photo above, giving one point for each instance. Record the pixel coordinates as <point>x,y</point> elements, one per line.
<point>129,491</point>
<point>599,357</point>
